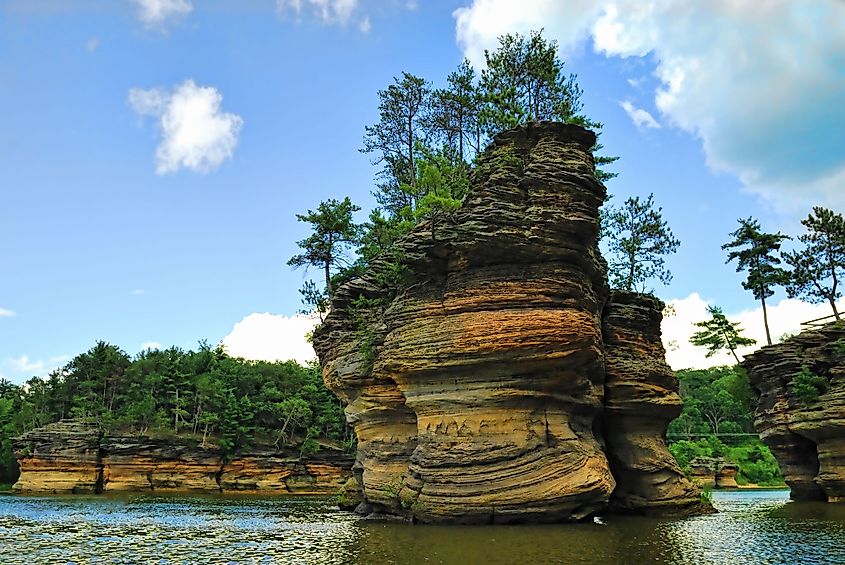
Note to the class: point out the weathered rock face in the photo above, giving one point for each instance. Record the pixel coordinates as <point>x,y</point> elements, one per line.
<point>641,398</point>
<point>714,472</point>
<point>71,457</point>
<point>60,458</point>
<point>477,392</point>
<point>806,437</point>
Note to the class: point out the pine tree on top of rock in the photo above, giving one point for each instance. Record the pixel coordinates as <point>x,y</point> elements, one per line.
<point>754,251</point>
<point>820,266</point>
<point>639,240</point>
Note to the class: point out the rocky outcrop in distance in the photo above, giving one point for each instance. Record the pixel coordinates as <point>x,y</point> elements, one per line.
<point>505,383</point>
<point>805,432</point>
<point>74,457</point>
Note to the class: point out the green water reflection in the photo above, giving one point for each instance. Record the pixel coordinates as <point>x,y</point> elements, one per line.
<point>752,527</point>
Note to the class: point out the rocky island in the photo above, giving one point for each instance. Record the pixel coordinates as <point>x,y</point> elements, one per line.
<point>800,413</point>
<point>506,383</point>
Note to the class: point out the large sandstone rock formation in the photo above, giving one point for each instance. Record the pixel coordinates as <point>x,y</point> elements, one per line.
<point>74,457</point>
<point>807,438</point>
<point>478,391</point>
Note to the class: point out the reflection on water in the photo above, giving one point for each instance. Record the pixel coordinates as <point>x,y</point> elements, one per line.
<point>752,527</point>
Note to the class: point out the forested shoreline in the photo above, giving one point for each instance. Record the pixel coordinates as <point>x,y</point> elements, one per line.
<point>717,422</point>
<point>202,396</point>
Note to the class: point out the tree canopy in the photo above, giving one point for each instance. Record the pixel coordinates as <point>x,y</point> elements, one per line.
<point>333,232</point>
<point>756,253</point>
<point>719,333</point>
<point>818,268</point>
<point>638,239</point>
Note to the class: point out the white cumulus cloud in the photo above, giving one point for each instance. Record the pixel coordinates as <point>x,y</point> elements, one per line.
<point>785,318</point>
<point>150,345</point>
<point>6,313</point>
<point>272,337</point>
<point>327,11</point>
<point>195,133</point>
<point>640,117</point>
<point>158,13</point>
<point>759,83</point>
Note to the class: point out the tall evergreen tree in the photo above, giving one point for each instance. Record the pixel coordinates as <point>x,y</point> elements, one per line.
<point>397,137</point>
<point>755,252</point>
<point>639,240</point>
<point>818,268</point>
<point>333,232</point>
<point>719,333</point>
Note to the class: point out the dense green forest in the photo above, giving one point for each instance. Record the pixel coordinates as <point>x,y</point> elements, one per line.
<point>717,421</point>
<point>205,396</point>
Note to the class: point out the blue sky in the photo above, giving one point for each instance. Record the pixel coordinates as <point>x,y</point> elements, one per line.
<point>154,152</point>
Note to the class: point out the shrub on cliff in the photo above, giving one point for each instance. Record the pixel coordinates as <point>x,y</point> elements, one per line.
<point>806,386</point>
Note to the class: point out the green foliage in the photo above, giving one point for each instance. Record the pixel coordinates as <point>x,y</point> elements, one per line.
<point>638,239</point>
<point>820,266</point>
<point>314,299</point>
<point>716,422</point>
<point>202,396</point>
<point>719,333</point>
<point>333,231</point>
<point>754,252</point>
<point>707,495</point>
<point>806,386</point>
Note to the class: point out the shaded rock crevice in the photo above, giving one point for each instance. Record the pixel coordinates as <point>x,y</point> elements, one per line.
<point>478,391</point>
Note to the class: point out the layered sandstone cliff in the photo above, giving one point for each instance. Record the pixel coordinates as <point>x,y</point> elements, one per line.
<point>74,457</point>
<point>478,391</point>
<point>806,435</point>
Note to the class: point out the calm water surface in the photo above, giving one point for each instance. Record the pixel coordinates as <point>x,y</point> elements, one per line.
<point>752,527</point>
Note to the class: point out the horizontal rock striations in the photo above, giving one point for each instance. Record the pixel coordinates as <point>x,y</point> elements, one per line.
<point>804,426</point>
<point>641,398</point>
<point>74,457</point>
<point>60,458</point>
<point>477,390</point>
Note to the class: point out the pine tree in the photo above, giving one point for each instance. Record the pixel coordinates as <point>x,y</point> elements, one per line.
<point>754,252</point>
<point>334,232</point>
<point>820,266</point>
<point>720,333</point>
<point>639,239</point>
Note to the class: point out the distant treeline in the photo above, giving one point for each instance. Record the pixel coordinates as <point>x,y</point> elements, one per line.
<point>204,395</point>
<point>717,421</point>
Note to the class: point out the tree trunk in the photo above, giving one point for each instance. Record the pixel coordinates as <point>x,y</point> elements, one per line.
<point>766,320</point>
<point>733,352</point>
<point>833,305</point>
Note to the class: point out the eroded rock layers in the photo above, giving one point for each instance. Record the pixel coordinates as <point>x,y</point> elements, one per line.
<point>477,390</point>
<point>641,398</point>
<point>800,413</point>
<point>73,457</point>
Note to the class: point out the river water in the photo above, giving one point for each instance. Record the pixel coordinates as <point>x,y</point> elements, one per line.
<point>751,527</point>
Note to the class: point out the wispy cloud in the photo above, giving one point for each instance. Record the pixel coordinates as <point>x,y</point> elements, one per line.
<point>364,26</point>
<point>195,133</point>
<point>92,44</point>
<point>36,367</point>
<point>137,292</point>
<point>640,117</point>
<point>328,12</point>
<point>160,13</point>
<point>6,313</point>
